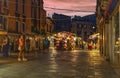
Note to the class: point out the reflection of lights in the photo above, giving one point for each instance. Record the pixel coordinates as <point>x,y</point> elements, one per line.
<point>75,38</point>
<point>117,42</point>
<point>53,64</point>
<point>118,39</point>
<point>65,41</point>
<point>48,37</point>
<point>30,38</point>
<point>84,42</point>
<point>68,38</point>
<point>74,59</point>
<point>103,38</point>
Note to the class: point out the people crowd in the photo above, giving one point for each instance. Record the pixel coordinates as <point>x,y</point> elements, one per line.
<point>24,45</point>
<point>64,41</point>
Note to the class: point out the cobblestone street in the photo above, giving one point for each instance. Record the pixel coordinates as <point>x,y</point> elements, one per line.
<point>59,64</point>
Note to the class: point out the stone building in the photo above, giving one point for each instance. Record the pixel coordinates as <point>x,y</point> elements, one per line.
<point>108,23</point>
<point>61,22</point>
<point>83,29</point>
<point>49,25</point>
<point>21,17</point>
<point>84,26</point>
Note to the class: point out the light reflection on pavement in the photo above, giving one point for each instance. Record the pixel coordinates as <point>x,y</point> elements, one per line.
<point>61,64</point>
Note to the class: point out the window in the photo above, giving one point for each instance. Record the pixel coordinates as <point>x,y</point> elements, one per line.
<point>23,27</point>
<point>0,5</point>
<point>17,5</point>
<point>85,33</point>
<point>6,3</point>
<point>24,9</point>
<point>17,24</point>
<point>32,8</point>
<point>78,25</point>
<point>1,26</point>
<point>0,18</point>
<point>5,23</point>
<point>32,12</point>
<point>78,32</point>
<point>38,2</point>
<point>85,26</point>
<point>33,1</point>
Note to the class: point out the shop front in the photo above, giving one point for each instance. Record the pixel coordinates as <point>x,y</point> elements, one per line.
<point>2,34</point>
<point>116,39</point>
<point>65,41</point>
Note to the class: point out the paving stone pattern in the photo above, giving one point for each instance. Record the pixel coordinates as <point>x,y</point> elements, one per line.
<point>60,64</point>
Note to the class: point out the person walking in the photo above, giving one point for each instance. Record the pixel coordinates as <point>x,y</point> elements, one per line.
<point>46,44</point>
<point>5,46</point>
<point>21,47</point>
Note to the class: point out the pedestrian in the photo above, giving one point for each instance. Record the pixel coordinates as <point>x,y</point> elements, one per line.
<point>33,44</point>
<point>5,46</point>
<point>28,44</point>
<point>46,44</point>
<point>41,44</point>
<point>21,48</point>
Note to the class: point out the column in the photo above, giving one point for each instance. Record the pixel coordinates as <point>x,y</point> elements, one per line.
<point>112,39</point>
<point>119,21</point>
<point>107,40</point>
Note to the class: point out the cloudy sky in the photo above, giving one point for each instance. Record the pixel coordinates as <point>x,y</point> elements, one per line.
<point>78,7</point>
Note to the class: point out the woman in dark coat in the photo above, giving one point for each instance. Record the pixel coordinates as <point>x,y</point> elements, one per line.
<point>6,46</point>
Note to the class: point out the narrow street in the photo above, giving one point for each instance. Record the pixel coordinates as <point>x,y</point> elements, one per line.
<point>59,64</point>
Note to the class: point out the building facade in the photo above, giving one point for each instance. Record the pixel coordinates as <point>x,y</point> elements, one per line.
<point>49,26</point>
<point>108,15</point>
<point>84,26</point>
<point>21,17</point>
<point>61,22</point>
<point>83,29</point>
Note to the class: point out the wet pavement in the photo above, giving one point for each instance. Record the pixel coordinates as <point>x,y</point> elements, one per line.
<point>59,64</point>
